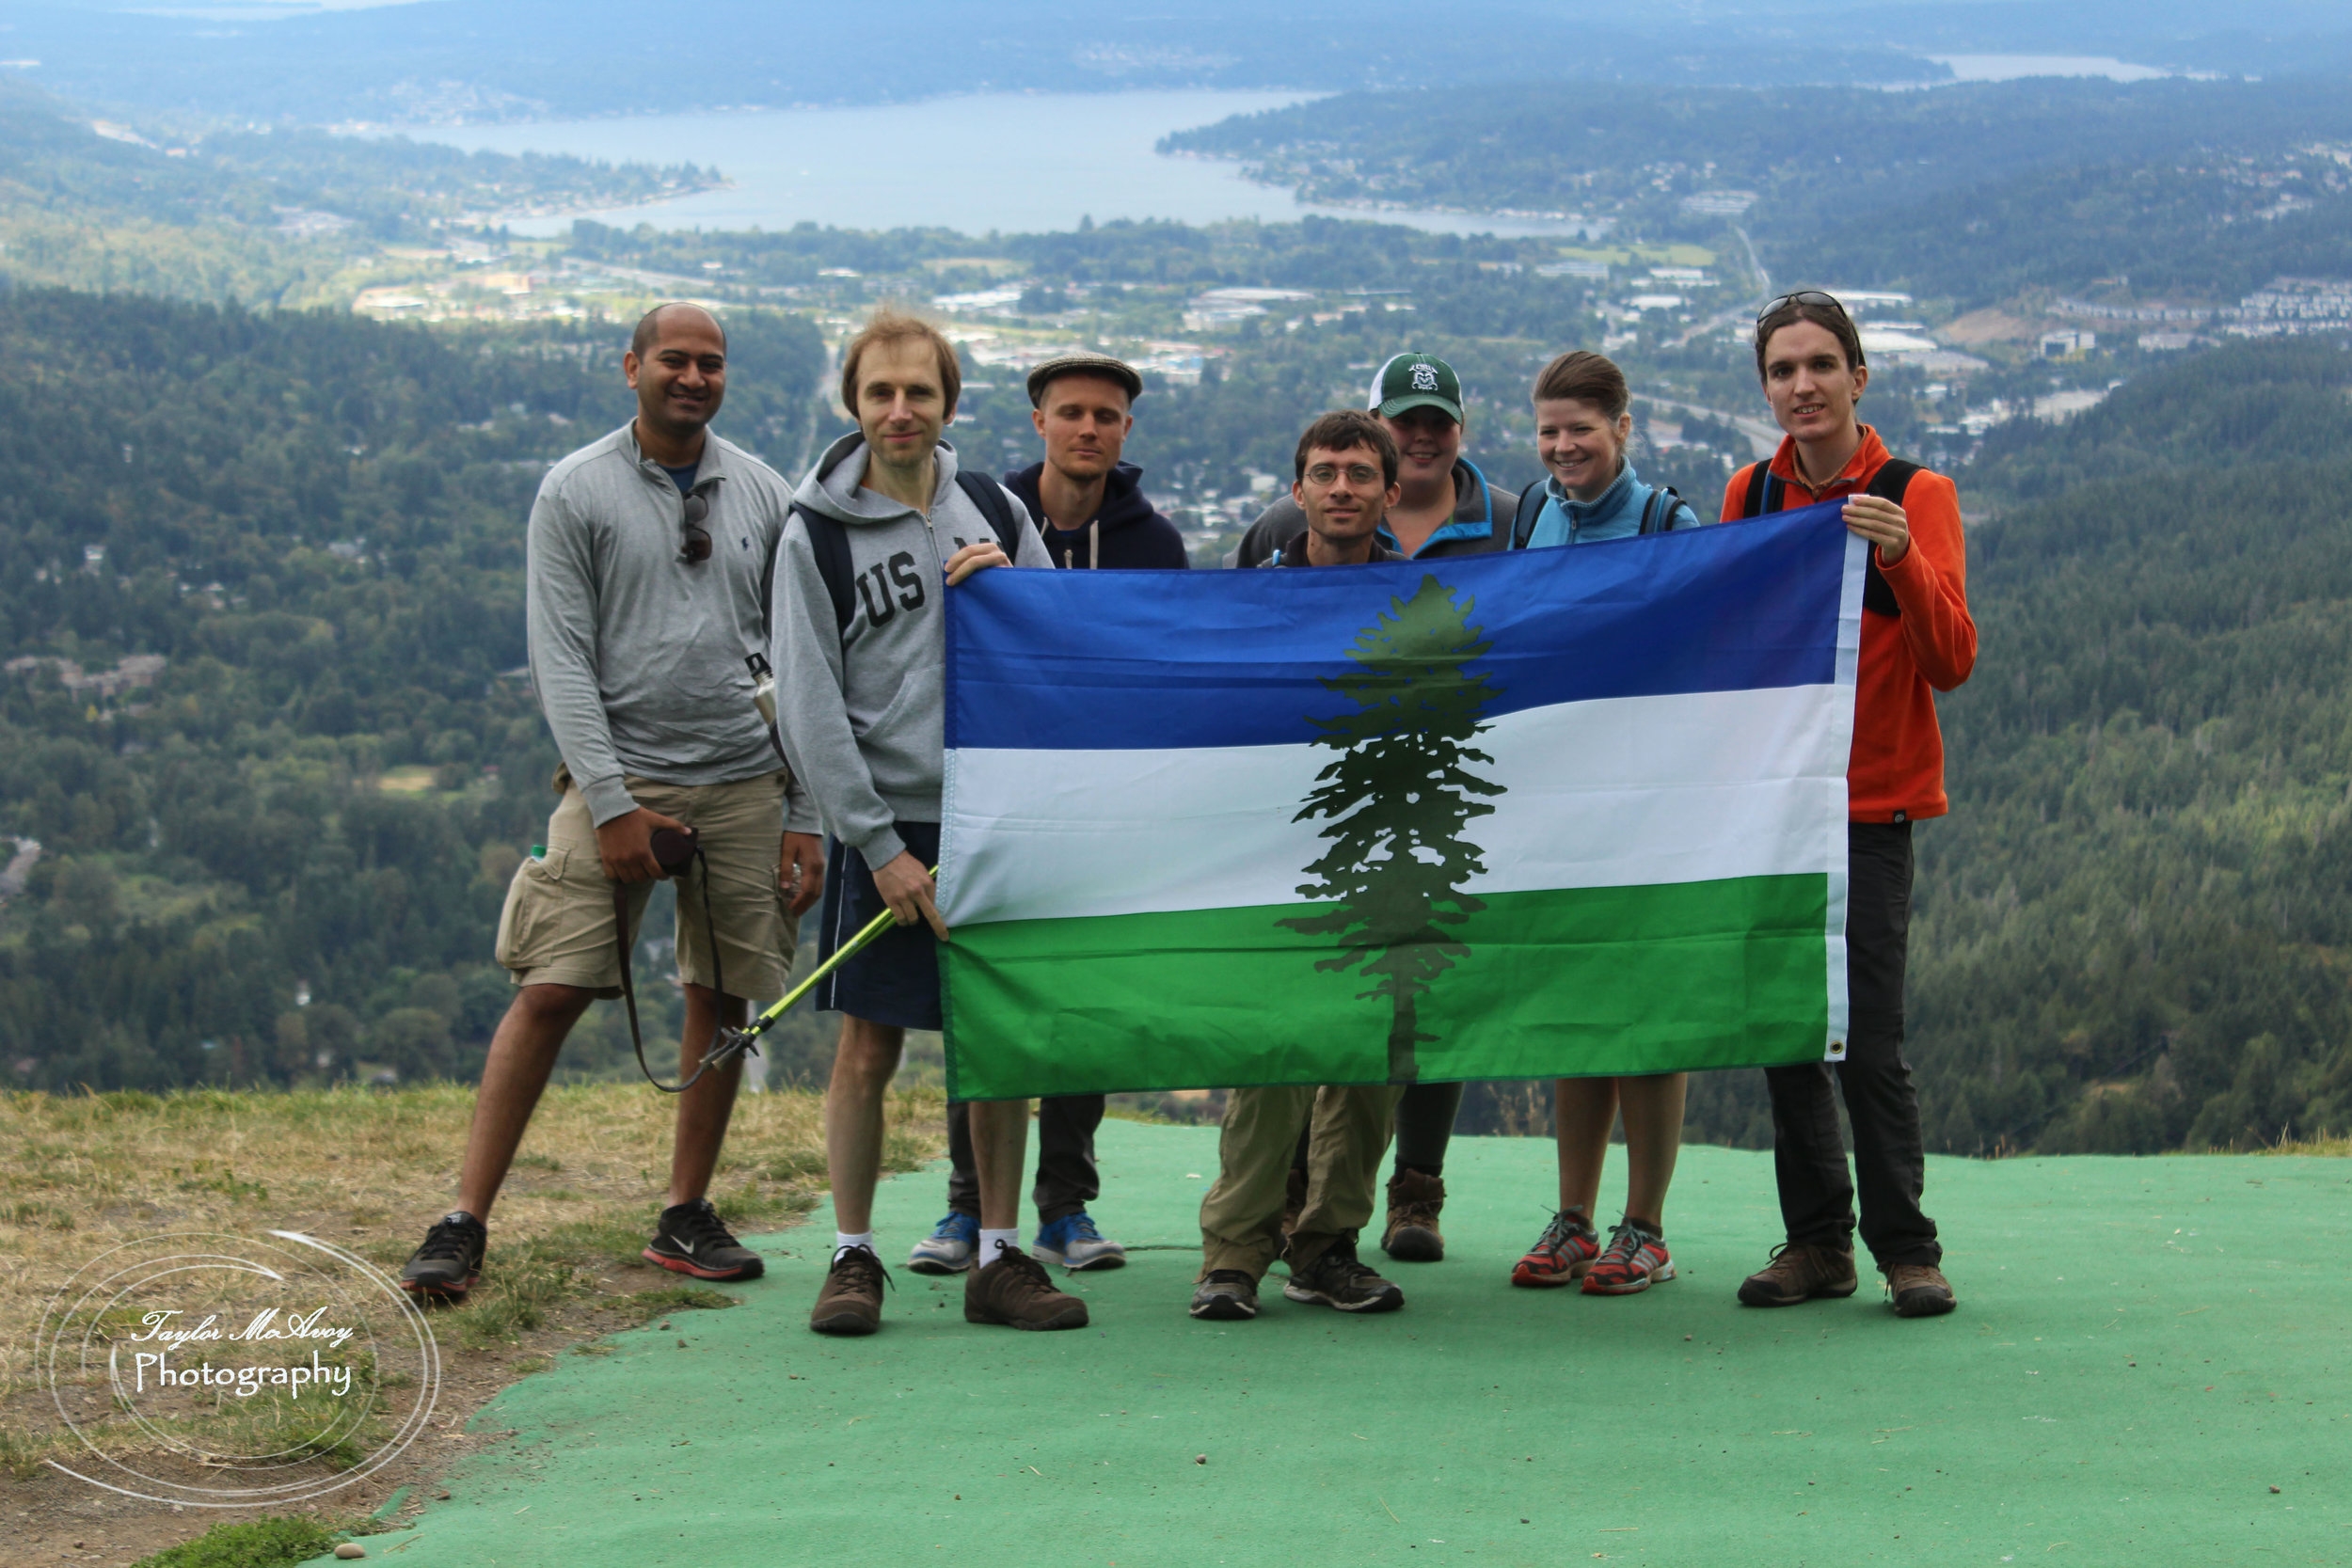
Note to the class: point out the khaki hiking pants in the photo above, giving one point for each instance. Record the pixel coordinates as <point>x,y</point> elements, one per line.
<point>1241,1218</point>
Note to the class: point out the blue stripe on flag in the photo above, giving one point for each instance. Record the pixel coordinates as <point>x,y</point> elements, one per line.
<point>1128,660</point>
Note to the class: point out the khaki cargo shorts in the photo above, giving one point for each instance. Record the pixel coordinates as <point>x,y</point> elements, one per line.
<point>557,927</point>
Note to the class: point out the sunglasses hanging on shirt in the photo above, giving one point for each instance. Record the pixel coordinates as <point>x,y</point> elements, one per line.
<point>695,538</point>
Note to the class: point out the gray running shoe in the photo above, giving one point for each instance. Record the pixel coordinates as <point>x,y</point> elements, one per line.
<point>1225,1295</point>
<point>1074,1244</point>
<point>949,1246</point>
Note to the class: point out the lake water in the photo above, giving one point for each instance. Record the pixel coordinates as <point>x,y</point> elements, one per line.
<point>2009,68</point>
<point>1018,163</point>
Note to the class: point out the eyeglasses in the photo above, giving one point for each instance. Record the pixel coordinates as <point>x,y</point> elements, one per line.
<point>695,538</point>
<point>1804,296</point>
<point>1329,473</point>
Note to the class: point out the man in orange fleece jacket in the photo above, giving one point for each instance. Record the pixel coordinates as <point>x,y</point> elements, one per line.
<point>1918,639</point>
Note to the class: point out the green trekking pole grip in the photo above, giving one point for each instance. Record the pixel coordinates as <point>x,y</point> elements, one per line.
<point>736,1041</point>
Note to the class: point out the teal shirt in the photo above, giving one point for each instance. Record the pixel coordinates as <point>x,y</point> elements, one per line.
<point>1615,513</point>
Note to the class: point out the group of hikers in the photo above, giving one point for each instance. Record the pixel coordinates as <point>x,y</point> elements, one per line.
<point>662,557</point>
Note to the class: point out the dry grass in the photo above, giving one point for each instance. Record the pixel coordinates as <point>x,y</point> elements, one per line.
<point>2334,1148</point>
<point>369,1170</point>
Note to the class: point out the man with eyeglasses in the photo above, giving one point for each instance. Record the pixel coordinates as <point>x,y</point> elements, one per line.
<point>1346,468</point>
<point>646,585</point>
<point>1918,639</point>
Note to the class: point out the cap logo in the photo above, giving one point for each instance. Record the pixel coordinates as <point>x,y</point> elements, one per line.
<point>1425,378</point>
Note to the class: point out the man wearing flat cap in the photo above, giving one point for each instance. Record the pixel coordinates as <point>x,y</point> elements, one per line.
<point>1089,504</point>
<point>1092,511</point>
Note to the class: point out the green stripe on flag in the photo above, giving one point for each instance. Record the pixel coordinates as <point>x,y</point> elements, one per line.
<point>1688,976</point>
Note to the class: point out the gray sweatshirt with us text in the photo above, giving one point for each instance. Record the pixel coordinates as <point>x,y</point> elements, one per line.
<point>864,707</point>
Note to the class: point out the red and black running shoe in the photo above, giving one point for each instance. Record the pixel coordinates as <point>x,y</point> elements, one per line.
<point>449,1262</point>
<point>692,1239</point>
<point>1633,1260</point>
<point>1566,1250</point>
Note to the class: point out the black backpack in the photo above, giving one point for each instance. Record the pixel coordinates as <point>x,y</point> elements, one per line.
<point>830,538</point>
<point>1657,513</point>
<point>1769,492</point>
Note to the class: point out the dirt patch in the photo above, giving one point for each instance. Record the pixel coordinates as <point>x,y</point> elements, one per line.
<point>369,1171</point>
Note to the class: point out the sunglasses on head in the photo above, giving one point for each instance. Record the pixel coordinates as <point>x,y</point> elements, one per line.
<point>1804,296</point>
<point>695,538</point>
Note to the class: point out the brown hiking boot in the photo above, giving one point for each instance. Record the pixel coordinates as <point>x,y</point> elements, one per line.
<point>851,1303</point>
<point>1919,1291</point>
<point>1294,1198</point>
<point>1412,1235</point>
<point>1017,1292</point>
<point>1800,1271</point>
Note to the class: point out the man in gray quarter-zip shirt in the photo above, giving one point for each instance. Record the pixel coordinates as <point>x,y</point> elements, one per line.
<point>647,582</point>
<point>862,704</point>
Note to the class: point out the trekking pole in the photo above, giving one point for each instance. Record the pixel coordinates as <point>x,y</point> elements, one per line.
<point>736,1043</point>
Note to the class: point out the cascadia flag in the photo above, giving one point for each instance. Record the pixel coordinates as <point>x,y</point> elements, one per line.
<point>1542,814</point>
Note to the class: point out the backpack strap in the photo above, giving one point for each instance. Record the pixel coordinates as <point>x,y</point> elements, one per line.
<point>1893,478</point>
<point>989,496</point>
<point>1768,493</point>
<point>1658,512</point>
<point>1524,521</point>
<point>829,541</point>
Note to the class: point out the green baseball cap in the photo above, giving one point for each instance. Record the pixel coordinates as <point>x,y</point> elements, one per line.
<point>1416,381</point>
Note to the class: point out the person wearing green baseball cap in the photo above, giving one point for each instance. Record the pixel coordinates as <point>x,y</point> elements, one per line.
<point>1445,507</point>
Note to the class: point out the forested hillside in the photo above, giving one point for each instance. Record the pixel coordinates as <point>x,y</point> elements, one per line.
<point>317,523</point>
<point>2132,933</point>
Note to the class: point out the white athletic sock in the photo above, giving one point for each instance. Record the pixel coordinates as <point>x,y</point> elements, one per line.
<point>843,1240</point>
<point>991,1240</point>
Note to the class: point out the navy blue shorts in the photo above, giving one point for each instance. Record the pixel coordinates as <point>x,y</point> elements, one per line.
<point>895,980</point>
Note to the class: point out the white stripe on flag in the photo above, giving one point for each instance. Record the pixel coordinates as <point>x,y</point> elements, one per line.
<point>1624,792</point>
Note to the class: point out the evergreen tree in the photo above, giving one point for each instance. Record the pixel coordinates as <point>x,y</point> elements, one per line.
<point>1398,799</point>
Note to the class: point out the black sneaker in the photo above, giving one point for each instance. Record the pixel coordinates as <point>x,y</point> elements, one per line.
<point>449,1262</point>
<point>1226,1295</point>
<point>1338,1279</point>
<point>691,1238</point>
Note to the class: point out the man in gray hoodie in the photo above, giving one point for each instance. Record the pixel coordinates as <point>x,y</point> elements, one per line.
<point>646,589</point>
<point>883,528</point>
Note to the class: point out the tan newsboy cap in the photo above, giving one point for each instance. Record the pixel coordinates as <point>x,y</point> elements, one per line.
<point>1109,367</point>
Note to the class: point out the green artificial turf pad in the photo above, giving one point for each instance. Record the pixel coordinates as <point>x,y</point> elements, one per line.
<point>2144,1349</point>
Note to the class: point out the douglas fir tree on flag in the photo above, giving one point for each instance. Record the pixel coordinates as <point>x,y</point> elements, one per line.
<point>1398,799</point>
<point>1587,816</point>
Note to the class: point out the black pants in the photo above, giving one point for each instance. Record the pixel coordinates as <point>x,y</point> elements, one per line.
<point>1424,1125</point>
<point>1817,1197</point>
<point>1067,1181</point>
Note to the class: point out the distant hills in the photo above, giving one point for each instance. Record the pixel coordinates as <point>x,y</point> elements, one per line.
<point>454,59</point>
<point>225,213</point>
<point>1967,193</point>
